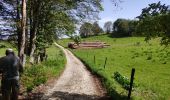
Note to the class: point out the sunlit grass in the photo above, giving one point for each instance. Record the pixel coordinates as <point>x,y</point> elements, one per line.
<point>151,61</point>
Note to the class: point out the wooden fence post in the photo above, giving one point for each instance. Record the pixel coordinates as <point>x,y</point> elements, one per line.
<point>94,59</point>
<point>131,82</point>
<point>105,62</point>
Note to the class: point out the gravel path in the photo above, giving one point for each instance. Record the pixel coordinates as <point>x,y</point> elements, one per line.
<point>76,82</point>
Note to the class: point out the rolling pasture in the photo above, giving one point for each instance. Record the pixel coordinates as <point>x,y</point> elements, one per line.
<point>151,61</point>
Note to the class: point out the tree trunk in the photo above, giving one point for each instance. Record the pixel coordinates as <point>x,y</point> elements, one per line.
<point>34,27</point>
<point>32,47</point>
<point>18,26</point>
<point>26,39</point>
<point>23,26</point>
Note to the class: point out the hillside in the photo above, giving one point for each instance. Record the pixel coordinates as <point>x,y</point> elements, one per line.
<point>150,60</point>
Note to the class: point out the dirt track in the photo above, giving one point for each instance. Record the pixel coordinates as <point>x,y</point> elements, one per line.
<point>76,82</point>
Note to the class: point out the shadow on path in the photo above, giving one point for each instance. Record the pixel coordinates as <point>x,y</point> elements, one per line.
<point>73,96</point>
<point>58,95</point>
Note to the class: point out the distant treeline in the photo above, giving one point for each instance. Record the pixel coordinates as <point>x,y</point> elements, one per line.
<point>154,21</point>
<point>124,28</point>
<point>119,28</point>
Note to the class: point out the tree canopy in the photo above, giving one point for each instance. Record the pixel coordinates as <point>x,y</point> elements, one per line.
<point>86,29</point>
<point>96,28</point>
<point>46,20</point>
<point>108,27</point>
<point>154,21</point>
<point>123,27</point>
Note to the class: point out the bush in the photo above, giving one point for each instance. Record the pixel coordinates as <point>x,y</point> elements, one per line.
<point>124,81</point>
<point>34,76</point>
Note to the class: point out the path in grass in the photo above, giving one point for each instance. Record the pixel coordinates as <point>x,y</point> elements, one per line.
<point>76,82</point>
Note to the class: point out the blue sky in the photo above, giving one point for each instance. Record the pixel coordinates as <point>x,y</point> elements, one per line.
<point>128,9</point>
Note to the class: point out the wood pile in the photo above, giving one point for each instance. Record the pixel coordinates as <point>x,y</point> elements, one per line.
<point>88,45</point>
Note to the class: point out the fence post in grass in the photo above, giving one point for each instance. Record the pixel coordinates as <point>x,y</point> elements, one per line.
<point>131,82</point>
<point>105,62</point>
<point>94,59</point>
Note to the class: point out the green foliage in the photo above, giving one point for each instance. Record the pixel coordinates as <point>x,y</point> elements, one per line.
<point>86,29</point>
<point>96,29</point>
<point>76,39</point>
<point>47,19</point>
<point>123,28</point>
<point>154,22</point>
<point>124,81</point>
<point>34,76</point>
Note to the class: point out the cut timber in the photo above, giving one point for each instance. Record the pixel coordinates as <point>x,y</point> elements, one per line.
<point>88,45</point>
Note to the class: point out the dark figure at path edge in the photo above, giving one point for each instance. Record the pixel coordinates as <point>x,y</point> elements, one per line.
<point>10,67</point>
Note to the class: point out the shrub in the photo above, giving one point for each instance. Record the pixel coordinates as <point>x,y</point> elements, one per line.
<point>34,76</point>
<point>124,81</point>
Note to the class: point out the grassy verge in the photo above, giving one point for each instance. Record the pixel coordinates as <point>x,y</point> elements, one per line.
<point>150,60</point>
<point>40,73</point>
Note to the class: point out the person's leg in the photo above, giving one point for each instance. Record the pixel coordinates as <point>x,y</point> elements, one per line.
<point>6,89</point>
<point>15,89</point>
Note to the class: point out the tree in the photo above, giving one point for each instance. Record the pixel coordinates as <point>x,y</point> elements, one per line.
<point>132,28</point>
<point>86,29</point>
<point>124,28</point>
<point>23,26</point>
<point>13,14</point>
<point>96,28</point>
<point>108,27</point>
<point>50,16</point>
<point>154,21</point>
<point>76,39</point>
<point>121,28</point>
<point>46,18</point>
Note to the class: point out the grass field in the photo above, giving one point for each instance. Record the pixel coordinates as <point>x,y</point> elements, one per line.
<point>151,61</point>
<point>3,46</point>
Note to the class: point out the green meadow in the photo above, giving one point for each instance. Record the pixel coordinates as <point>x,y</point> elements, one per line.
<point>150,59</point>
